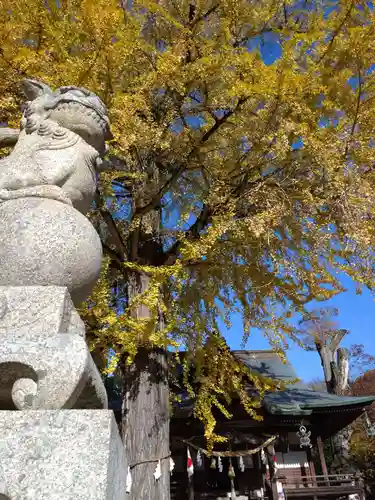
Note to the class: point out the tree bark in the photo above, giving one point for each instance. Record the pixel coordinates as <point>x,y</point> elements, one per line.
<point>8,137</point>
<point>145,425</point>
<point>342,462</point>
<point>335,362</point>
<point>146,413</point>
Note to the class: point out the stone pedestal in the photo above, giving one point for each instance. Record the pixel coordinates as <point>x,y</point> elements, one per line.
<point>44,359</point>
<point>61,455</point>
<point>62,443</point>
<point>58,441</point>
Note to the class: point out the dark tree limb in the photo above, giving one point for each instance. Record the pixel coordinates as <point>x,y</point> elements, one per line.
<point>108,219</point>
<point>8,137</point>
<point>193,233</point>
<point>337,31</point>
<point>156,200</point>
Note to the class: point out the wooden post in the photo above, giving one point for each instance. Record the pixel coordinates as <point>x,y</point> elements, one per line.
<point>322,458</point>
<point>270,454</point>
<point>311,466</point>
<point>190,488</point>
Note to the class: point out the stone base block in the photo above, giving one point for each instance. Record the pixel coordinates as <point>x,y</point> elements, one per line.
<point>61,455</point>
<point>45,363</point>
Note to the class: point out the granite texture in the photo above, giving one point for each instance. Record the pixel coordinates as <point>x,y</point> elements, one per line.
<point>60,444</point>
<point>61,455</point>
<point>46,183</point>
<point>45,242</point>
<point>44,360</point>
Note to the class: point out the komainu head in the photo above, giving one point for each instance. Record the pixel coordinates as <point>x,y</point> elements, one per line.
<point>74,108</point>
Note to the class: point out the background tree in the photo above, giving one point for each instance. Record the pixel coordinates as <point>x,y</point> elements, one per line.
<point>362,442</point>
<point>360,363</point>
<point>320,332</point>
<point>240,178</point>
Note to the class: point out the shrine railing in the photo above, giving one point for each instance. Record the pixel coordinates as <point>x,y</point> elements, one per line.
<point>342,482</point>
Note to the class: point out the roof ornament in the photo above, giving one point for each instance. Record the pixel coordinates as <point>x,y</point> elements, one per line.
<point>304,437</point>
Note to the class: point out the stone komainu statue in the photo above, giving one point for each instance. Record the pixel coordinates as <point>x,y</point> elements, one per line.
<point>62,138</point>
<point>50,254</point>
<point>68,446</point>
<point>46,183</point>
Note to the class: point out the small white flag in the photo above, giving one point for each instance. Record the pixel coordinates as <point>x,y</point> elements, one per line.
<point>171,465</point>
<point>190,466</point>
<point>241,464</point>
<point>199,460</point>
<point>157,473</point>
<point>128,481</point>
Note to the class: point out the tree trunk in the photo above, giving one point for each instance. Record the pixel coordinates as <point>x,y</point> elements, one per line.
<point>335,362</point>
<point>8,137</point>
<point>342,462</point>
<point>145,425</point>
<point>146,413</point>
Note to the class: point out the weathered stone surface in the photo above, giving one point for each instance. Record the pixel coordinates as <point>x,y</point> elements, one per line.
<point>45,242</point>
<point>44,360</point>
<point>62,447</point>
<point>61,455</point>
<point>46,183</point>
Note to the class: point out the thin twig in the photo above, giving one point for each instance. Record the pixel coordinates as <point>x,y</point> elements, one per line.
<point>336,32</point>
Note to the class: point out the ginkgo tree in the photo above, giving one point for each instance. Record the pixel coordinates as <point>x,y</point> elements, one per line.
<point>240,178</point>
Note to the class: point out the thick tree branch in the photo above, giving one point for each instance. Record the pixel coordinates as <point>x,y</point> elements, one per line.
<point>107,217</point>
<point>156,200</point>
<point>336,32</point>
<point>193,233</point>
<point>201,17</point>
<point>8,137</point>
<point>336,340</point>
<point>113,254</point>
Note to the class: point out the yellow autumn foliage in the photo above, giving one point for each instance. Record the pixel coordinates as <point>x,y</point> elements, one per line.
<point>241,172</point>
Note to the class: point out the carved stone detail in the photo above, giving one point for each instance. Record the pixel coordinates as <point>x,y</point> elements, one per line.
<point>46,183</point>
<point>50,258</point>
<point>44,359</point>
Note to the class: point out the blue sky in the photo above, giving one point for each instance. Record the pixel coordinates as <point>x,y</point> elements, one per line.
<point>356,314</point>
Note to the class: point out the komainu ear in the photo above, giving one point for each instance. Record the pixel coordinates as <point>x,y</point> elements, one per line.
<point>33,89</point>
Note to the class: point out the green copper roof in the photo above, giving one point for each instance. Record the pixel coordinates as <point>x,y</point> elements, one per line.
<point>297,399</point>
<point>270,365</point>
<point>305,402</point>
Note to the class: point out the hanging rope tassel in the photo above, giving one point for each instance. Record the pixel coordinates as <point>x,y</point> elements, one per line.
<point>157,473</point>
<point>199,460</point>
<point>231,475</point>
<point>241,464</point>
